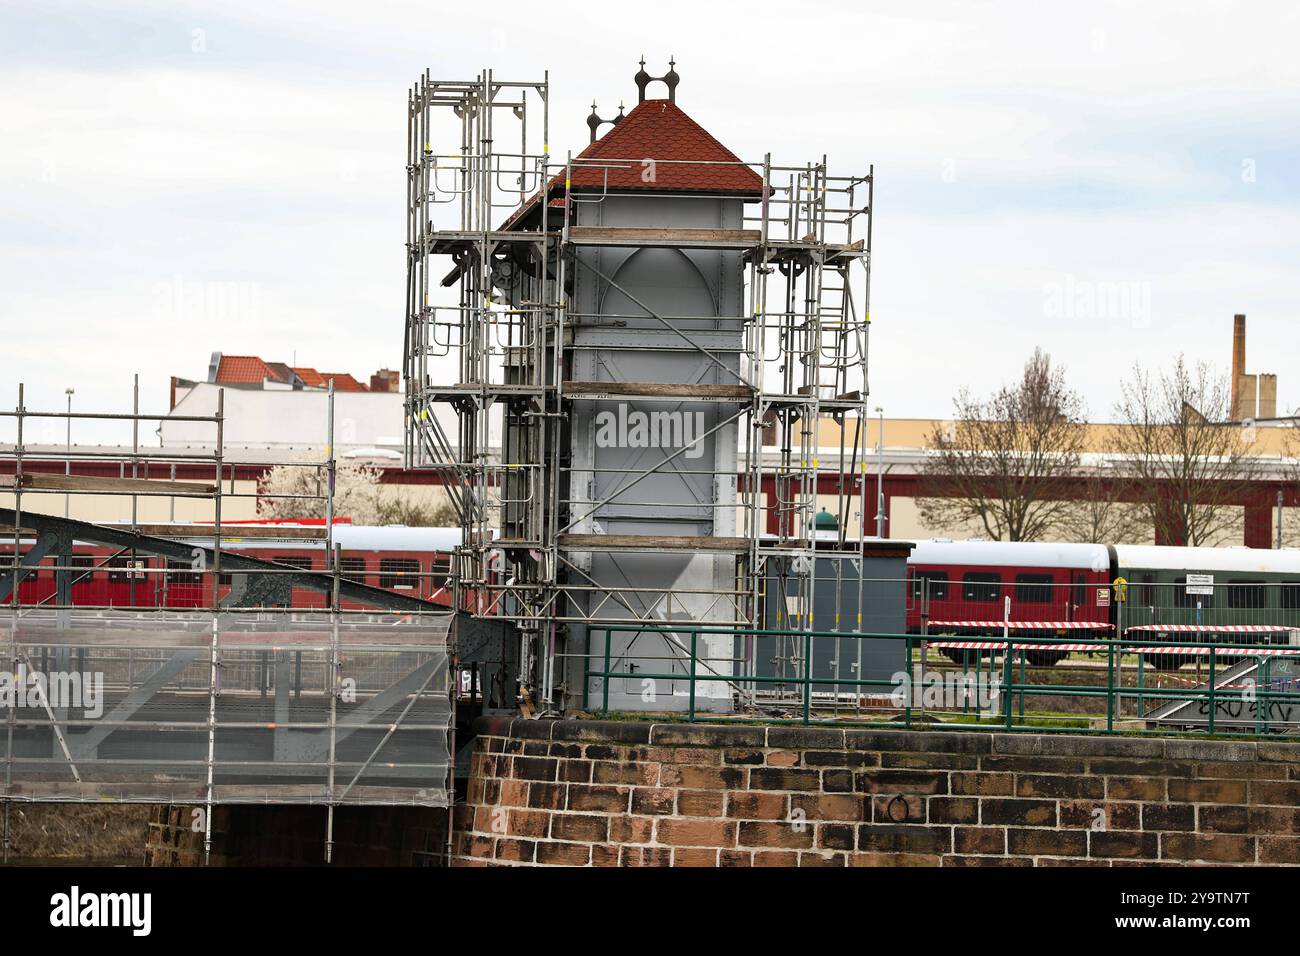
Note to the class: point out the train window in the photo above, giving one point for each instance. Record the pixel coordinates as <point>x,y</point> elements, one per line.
<point>1146,592</point>
<point>1291,595</point>
<point>1246,594</point>
<point>1034,588</point>
<point>117,570</point>
<point>399,573</point>
<point>302,562</point>
<point>935,581</point>
<point>182,572</point>
<point>441,568</point>
<point>353,569</point>
<point>7,562</point>
<point>82,565</point>
<point>1079,591</point>
<point>980,586</point>
<point>1183,599</point>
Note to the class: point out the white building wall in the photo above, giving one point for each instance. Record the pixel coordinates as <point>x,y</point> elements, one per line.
<point>257,418</point>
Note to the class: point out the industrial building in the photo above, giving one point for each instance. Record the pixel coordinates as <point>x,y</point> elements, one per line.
<point>1254,397</point>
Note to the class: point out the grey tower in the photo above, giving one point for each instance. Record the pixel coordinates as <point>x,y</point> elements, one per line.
<point>624,412</point>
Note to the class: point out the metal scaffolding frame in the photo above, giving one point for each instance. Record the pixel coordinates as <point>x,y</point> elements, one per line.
<point>238,702</point>
<point>489,391</point>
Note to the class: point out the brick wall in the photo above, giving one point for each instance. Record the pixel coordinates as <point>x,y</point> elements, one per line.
<point>638,794</point>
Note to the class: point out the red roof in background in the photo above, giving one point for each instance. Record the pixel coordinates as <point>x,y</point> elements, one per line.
<point>658,129</point>
<point>243,370</point>
<point>343,382</point>
<point>281,372</point>
<point>310,377</point>
<point>251,370</point>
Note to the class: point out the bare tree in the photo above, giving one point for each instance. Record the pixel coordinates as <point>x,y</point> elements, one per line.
<point>1291,475</point>
<point>1103,513</point>
<point>399,509</point>
<point>1181,452</point>
<point>1005,463</point>
<point>297,491</point>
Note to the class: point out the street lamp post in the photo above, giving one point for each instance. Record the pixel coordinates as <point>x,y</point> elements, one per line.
<point>880,475</point>
<point>67,463</point>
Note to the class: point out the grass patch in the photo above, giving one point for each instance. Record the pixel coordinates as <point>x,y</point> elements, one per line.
<point>101,833</point>
<point>1040,719</point>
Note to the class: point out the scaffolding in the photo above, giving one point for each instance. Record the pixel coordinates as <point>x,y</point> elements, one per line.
<point>240,698</point>
<point>494,389</point>
<point>202,557</point>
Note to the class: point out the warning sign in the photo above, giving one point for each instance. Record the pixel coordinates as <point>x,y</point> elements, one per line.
<point>1103,597</point>
<point>1121,590</point>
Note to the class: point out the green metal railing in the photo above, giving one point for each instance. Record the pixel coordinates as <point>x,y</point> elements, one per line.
<point>1265,701</point>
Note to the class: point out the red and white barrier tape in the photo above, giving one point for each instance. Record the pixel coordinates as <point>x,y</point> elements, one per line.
<point>1217,628</point>
<point>1222,652</point>
<point>999,645</point>
<point>1029,625</point>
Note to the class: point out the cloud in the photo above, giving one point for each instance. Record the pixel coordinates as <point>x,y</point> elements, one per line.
<point>234,147</point>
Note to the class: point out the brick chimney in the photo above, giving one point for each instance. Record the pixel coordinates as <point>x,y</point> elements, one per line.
<point>386,380</point>
<point>1243,386</point>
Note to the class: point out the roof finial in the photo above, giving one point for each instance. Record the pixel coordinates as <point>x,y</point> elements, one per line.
<point>669,79</point>
<point>641,79</point>
<point>594,121</point>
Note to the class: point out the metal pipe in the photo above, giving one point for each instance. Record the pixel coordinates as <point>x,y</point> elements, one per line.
<point>330,470</point>
<point>880,475</point>
<point>67,464</point>
<point>1279,520</point>
<point>213,664</point>
<point>216,504</point>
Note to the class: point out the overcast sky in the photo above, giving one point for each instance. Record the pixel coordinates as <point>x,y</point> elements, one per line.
<point>1028,156</point>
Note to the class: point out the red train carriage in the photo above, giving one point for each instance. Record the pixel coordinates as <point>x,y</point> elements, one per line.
<point>1031,589</point>
<point>415,561</point>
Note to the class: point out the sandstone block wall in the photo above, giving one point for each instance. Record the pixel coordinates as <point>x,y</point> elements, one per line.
<point>579,793</point>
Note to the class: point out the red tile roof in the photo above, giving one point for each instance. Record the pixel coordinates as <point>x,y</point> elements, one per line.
<point>343,382</point>
<point>281,372</point>
<point>658,130</point>
<point>243,370</point>
<point>251,370</point>
<point>310,377</point>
